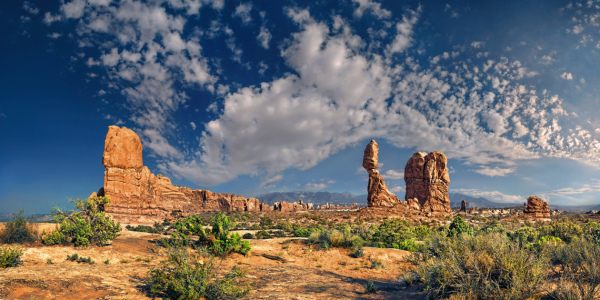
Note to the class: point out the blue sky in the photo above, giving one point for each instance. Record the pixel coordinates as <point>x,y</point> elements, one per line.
<point>249,97</point>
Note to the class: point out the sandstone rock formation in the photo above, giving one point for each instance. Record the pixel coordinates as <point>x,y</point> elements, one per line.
<point>427,179</point>
<point>289,207</point>
<point>537,208</point>
<point>463,206</point>
<point>139,197</point>
<point>378,193</point>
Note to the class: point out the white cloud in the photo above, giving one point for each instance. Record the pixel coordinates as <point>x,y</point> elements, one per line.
<point>373,7</point>
<point>193,125</point>
<point>477,44</point>
<point>494,172</point>
<point>567,76</point>
<point>316,186</point>
<point>393,175</point>
<point>54,35</point>
<point>397,189</point>
<point>268,183</point>
<point>264,37</point>
<point>242,11</point>
<point>30,8</point>
<point>404,29</point>
<point>491,195</point>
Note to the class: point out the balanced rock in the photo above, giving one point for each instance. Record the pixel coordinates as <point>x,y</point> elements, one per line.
<point>537,208</point>
<point>140,197</point>
<point>427,179</point>
<point>378,193</point>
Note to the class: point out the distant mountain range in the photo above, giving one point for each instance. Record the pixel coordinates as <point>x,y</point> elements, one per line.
<point>41,218</point>
<point>316,198</point>
<point>456,198</point>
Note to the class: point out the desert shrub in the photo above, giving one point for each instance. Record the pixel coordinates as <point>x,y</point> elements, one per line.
<point>481,267</point>
<point>525,235</point>
<point>255,227</point>
<point>305,231</point>
<point>266,222</point>
<point>263,235</point>
<point>370,287</point>
<point>393,231</point>
<point>18,231</point>
<point>365,231</point>
<point>287,226</point>
<point>89,225</point>
<point>187,276</point>
<point>218,239</point>
<point>80,259</point>
<point>422,232</point>
<point>358,253</point>
<point>10,257</point>
<point>458,227</point>
<point>408,245</point>
<point>336,238</point>
<point>565,229</point>
<point>493,226</point>
<point>143,228</point>
<point>248,236</point>
<point>579,269</point>
<point>278,233</point>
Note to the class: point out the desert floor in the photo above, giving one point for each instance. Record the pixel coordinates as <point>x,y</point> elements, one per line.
<point>305,273</point>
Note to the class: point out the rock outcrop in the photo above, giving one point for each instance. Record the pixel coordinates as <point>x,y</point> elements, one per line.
<point>289,207</point>
<point>427,179</point>
<point>463,206</point>
<point>537,208</point>
<point>378,193</point>
<point>139,197</point>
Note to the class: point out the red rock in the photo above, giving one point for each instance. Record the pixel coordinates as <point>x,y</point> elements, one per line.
<point>427,180</point>
<point>413,203</point>
<point>378,193</point>
<point>537,208</point>
<point>463,205</point>
<point>139,197</point>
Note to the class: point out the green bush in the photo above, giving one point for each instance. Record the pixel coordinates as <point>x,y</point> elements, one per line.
<point>145,228</point>
<point>218,239</point>
<point>525,235</point>
<point>493,226</point>
<point>266,222</point>
<point>261,235</point>
<point>336,238</point>
<point>564,229</point>
<point>307,231</point>
<point>480,267</point>
<point>89,225</point>
<point>370,287</point>
<point>278,233</point>
<point>458,227</point>
<point>10,257</point>
<point>185,276</point>
<point>18,231</point>
<point>80,259</point>
<point>248,236</point>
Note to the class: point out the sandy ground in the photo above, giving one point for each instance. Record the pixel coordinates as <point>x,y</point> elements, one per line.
<point>306,273</point>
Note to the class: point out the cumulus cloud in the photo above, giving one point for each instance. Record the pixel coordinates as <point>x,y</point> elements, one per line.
<point>30,8</point>
<point>268,183</point>
<point>404,29</point>
<point>491,195</point>
<point>264,37</point>
<point>371,6</point>
<point>567,76</point>
<point>495,171</point>
<point>339,90</point>
<point>397,189</point>
<point>316,186</point>
<point>393,175</point>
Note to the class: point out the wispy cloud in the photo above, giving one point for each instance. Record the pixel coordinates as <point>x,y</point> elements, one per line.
<point>268,183</point>
<point>491,195</point>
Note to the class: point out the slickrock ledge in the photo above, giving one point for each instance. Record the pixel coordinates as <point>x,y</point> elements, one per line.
<point>140,197</point>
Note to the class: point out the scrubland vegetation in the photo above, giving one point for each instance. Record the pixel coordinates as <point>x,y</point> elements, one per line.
<point>459,258</point>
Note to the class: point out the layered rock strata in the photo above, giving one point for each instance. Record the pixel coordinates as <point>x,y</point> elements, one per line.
<point>139,197</point>
<point>537,208</point>
<point>378,193</point>
<point>427,180</point>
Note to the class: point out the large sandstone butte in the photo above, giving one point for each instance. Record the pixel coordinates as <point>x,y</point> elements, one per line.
<point>139,197</point>
<point>537,208</point>
<point>427,180</point>
<point>378,193</point>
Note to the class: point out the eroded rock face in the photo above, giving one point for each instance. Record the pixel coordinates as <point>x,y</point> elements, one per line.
<point>289,207</point>
<point>378,193</point>
<point>139,197</point>
<point>537,208</point>
<point>427,179</point>
<point>463,205</point>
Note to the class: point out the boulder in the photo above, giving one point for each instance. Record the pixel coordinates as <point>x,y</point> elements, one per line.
<point>537,208</point>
